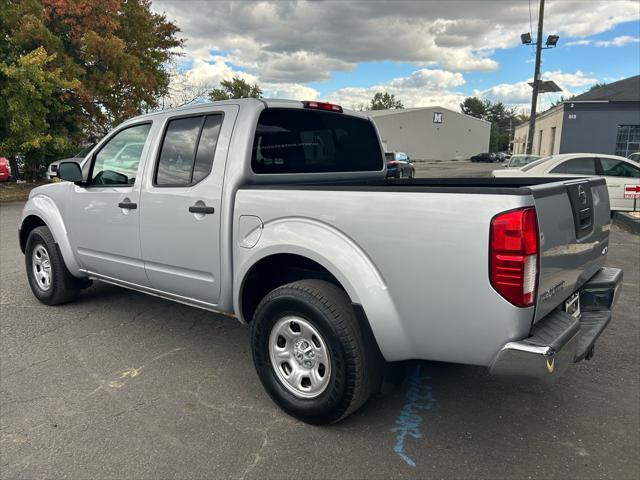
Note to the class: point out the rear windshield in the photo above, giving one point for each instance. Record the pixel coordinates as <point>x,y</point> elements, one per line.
<point>312,141</point>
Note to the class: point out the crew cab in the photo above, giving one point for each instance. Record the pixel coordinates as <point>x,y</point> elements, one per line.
<point>279,213</point>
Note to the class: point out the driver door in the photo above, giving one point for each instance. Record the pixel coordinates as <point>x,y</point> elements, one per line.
<point>103,215</point>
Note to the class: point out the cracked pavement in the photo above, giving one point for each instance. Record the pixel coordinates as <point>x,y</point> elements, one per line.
<point>123,385</point>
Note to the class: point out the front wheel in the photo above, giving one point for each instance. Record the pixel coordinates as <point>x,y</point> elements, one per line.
<point>310,352</point>
<point>49,279</point>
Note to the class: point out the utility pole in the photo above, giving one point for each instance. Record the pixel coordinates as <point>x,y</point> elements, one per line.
<point>536,81</point>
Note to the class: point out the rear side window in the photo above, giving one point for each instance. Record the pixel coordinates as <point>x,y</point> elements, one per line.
<point>577,166</point>
<point>619,168</point>
<point>188,150</point>
<point>303,141</point>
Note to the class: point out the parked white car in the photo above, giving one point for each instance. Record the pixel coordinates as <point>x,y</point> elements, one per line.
<point>618,172</point>
<point>52,169</point>
<point>519,161</point>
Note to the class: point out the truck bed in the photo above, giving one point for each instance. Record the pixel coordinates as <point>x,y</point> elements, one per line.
<point>428,240</point>
<point>471,185</point>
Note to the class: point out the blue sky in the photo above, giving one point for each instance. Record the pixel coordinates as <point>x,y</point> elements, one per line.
<point>425,53</point>
<point>516,63</point>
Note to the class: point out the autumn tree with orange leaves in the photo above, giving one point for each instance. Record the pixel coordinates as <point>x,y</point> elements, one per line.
<point>100,62</point>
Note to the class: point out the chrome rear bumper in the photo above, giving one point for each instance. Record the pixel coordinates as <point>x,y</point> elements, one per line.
<point>559,339</point>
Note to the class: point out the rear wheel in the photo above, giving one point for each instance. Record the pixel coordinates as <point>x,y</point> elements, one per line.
<point>49,279</point>
<point>310,352</point>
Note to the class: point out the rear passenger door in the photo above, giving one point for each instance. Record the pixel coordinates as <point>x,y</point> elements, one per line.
<point>181,210</point>
<point>617,174</point>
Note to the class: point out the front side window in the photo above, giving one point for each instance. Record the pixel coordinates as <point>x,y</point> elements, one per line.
<point>117,161</point>
<point>577,166</point>
<point>311,141</point>
<point>187,150</point>
<point>619,168</point>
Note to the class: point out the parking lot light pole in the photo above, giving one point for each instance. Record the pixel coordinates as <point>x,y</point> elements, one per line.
<point>536,81</point>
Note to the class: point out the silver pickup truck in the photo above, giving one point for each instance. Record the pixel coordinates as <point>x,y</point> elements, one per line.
<point>279,213</point>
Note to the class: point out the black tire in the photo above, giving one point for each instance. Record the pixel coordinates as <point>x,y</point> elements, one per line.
<point>355,366</point>
<point>64,287</point>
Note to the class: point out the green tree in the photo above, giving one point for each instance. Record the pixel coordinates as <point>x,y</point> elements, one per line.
<point>561,100</point>
<point>502,118</point>
<point>385,101</point>
<point>235,88</point>
<point>115,51</point>
<point>33,97</point>
<point>475,107</point>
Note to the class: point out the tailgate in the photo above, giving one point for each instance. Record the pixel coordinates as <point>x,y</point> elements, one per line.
<point>573,220</point>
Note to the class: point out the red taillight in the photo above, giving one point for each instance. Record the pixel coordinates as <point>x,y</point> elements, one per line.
<point>392,163</point>
<point>513,255</point>
<point>323,106</point>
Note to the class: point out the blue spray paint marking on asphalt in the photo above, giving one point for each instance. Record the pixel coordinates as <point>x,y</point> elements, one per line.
<point>419,397</point>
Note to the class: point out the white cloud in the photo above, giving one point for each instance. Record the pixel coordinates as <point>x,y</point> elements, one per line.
<point>564,80</point>
<point>578,42</point>
<point>284,45</point>
<point>618,41</point>
<point>293,91</point>
<point>518,94</point>
<point>298,41</point>
<point>422,88</point>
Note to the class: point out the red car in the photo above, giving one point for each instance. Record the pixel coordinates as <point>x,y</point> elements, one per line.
<point>5,170</point>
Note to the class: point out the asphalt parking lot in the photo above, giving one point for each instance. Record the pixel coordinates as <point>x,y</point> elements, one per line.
<point>124,385</point>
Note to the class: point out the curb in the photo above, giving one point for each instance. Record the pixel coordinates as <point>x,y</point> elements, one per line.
<point>627,222</point>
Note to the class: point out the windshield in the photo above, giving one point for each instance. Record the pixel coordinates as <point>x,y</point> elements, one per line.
<point>535,164</point>
<point>289,140</point>
<point>522,160</point>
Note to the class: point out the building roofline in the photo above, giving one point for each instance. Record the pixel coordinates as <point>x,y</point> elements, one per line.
<point>395,111</point>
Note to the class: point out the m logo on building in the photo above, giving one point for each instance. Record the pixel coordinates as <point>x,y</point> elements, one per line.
<point>437,117</point>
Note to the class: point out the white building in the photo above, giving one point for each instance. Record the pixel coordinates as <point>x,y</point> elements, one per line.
<point>432,133</point>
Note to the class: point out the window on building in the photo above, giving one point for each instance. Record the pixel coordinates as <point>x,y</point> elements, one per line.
<point>540,143</point>
<point>628,140</point>
<point>552,144</point>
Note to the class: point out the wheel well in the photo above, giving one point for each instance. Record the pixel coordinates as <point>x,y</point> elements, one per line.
<point>29,223</point>
<point>274,271</point>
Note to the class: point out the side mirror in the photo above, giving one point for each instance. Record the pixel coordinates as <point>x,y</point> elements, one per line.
<point>70,171</point>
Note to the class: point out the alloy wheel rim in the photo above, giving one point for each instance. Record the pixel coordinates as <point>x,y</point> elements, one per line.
<point>299,356</point>
<point>41,266</point>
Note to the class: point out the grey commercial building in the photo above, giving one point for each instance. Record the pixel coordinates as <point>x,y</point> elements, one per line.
<point>432,133</point>
<point>605,119</point>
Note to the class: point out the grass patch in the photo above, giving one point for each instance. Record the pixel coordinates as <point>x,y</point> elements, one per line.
<point>17,192</point>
